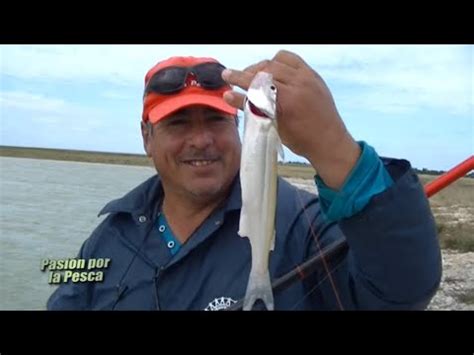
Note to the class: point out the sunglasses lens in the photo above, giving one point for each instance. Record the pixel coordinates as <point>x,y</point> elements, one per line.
<point>209,75</point>
<point>173,79</point>
<point>167,81</point>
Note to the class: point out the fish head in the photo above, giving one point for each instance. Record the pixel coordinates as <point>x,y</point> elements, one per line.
<point>261,96</point>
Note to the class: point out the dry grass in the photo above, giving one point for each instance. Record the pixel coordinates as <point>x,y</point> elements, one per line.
<point>466,296</point>
<point>296,171</point>
<point>453,208</point>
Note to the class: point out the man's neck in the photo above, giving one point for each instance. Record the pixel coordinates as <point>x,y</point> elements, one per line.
<point>185,215</point>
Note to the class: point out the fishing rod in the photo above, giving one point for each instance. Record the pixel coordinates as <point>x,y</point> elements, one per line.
<point>300,272</point>
<point>340,247</point>
<point>449,177</point>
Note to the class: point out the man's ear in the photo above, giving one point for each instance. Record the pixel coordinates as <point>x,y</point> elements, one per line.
<point>146,135</point>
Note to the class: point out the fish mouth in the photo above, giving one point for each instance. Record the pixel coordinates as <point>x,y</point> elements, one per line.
<point>256,111</point>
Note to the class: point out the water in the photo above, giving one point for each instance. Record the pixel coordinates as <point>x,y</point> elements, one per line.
<point>48,208</point>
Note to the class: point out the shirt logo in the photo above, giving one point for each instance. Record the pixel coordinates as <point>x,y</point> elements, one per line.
<point>220,303</point>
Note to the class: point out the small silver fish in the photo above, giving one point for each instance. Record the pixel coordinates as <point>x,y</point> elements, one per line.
<point>258,178</point>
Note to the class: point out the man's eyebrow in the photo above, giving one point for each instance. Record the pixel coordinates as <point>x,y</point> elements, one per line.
<point>214,113</point>
<point>185,114</point>
<point>177,116</point>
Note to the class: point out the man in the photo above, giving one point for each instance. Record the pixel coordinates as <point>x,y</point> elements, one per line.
<point>173,241</point>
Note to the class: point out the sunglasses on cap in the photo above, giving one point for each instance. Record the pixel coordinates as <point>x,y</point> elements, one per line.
<point>171,80</point>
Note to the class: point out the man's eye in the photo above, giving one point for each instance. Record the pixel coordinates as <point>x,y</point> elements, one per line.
<point>177,122</point>
<point>217,118</point>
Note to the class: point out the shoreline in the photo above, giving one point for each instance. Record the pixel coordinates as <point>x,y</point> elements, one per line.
<point>76,155</point>
<point>286,170</point>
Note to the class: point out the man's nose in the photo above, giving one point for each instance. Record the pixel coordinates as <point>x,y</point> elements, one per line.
<point>201,137</point>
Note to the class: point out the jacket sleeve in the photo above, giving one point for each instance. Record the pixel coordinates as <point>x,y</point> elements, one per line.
<point>394,259</point>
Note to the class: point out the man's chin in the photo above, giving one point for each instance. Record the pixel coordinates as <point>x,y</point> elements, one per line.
<point>207,193</point>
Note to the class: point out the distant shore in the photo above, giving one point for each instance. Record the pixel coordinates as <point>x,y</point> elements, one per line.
<point>287,170</point>
<point>75,155</point>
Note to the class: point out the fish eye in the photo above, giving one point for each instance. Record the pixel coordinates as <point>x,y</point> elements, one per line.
<point>272,88</point>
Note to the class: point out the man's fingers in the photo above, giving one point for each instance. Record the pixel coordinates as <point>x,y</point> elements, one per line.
<point>283,67</point>
<point>255,68</point>
<point>243,78</point>
<point>237,78</point>
<point>234,98</point>
<point>289,58</point>
<point>282,73</point>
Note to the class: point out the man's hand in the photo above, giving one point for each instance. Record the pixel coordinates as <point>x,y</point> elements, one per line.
<point>308,121</point>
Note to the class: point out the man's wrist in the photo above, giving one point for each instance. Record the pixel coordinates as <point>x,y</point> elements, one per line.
<point>335,163</point>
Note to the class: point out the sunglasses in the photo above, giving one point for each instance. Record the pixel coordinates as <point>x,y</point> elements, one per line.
<point>174,79</point>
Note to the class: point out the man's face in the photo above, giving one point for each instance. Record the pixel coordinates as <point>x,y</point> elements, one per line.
<point>196,152</point>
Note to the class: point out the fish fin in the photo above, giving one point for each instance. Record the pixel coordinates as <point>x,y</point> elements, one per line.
<point>280,150</point>
<point>272,246</point>
<point>279,144</point>
<point>244,223</point>
<point>259,287</point>
<point>246,114</point>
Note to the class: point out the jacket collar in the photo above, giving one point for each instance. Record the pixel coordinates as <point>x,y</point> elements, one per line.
<point>138,201</point>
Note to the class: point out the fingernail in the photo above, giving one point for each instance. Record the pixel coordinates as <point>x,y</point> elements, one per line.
<point>226,74</point>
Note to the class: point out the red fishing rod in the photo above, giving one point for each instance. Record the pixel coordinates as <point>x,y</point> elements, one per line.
<point>449,177</point>
<point>338,249</point>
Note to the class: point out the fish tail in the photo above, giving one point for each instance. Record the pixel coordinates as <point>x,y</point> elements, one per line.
<point>259,287</point>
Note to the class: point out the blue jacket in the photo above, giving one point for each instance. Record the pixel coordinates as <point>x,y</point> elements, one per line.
<point>393,260</point>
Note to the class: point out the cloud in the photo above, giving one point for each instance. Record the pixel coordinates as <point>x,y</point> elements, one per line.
<point>407,78</point>
<point>48,110</point>
<point>115,95</point>
<point>385,78</point>
<point>86,64</point>
<point>31,101</point>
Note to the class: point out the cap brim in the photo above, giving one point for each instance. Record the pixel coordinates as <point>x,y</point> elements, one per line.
<point>177,103</point>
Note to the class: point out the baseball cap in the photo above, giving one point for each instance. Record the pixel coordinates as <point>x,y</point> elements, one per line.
<point>179,82</point>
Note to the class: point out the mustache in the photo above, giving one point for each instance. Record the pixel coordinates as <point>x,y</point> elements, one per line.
<point>199,156</point>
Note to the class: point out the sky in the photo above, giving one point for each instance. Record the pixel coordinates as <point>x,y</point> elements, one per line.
<point>408,101</point>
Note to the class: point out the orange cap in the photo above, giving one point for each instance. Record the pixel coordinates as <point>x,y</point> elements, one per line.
<point>157,106</point>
